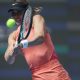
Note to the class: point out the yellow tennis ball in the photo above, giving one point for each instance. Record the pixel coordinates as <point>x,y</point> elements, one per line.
<point>10,23</point>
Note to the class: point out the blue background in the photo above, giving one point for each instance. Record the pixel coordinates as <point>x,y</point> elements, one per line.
<point>63,22</point>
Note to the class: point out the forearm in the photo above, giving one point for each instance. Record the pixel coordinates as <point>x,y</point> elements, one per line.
<point>8,53</point>
<point>11,43</point>
<point>10,59</point>
<point>11,54</point>
<point>26,43</point>
<point>9,49</point>
<point>37,41</point>
<point>11,40</point>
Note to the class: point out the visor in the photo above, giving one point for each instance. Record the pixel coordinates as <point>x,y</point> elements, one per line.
<point>18,6</point>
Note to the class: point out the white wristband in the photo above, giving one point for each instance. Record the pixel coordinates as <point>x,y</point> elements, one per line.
<point>24,43</point>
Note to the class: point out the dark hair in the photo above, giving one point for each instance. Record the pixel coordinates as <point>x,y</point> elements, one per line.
<point>37,10</point>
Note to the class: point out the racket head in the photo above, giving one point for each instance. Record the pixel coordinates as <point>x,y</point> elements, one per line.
<point>26,24</point>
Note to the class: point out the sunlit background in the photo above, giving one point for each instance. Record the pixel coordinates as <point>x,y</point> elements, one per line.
<point>63,22</point>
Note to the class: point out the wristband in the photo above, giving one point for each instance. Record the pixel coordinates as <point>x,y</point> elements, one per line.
<point>24,43</point>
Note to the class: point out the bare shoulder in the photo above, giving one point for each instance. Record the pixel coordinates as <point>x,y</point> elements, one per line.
<point>38,18</point>
<point>39,25</point>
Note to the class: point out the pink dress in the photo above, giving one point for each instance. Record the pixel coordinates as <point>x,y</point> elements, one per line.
<point>43,61</point>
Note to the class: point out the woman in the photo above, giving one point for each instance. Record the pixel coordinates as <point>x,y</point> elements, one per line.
<point>40,53</point>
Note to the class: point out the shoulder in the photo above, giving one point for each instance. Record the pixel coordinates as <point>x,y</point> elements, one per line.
<point>38,18</point>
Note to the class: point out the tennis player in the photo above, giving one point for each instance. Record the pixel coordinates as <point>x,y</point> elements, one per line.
<point>40,53</point>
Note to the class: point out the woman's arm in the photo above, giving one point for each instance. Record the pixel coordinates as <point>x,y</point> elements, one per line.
<point>39,30</point>
<point>11,43</point>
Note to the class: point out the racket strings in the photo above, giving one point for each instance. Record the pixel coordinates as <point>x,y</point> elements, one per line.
<point>26,24</point>
<point>27,21</point>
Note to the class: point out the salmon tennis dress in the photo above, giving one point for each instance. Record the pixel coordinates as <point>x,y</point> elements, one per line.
<point>43,61</point>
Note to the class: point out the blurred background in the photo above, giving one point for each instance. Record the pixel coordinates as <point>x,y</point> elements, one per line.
<point>63,21</point>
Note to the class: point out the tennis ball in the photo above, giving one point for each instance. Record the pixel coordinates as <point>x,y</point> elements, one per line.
<point>10,23</point>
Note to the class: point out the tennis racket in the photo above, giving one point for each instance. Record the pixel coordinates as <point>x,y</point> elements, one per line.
<point>25,25</point>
